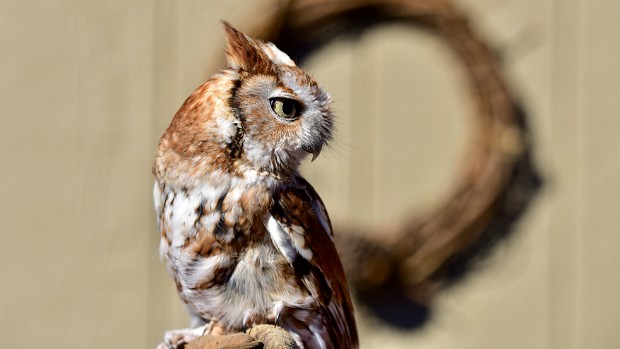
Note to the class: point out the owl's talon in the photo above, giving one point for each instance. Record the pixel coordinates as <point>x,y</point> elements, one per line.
<point>277,309</point>
<point>251,318</point>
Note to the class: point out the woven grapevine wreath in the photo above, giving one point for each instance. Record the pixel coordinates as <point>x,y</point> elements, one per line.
<point>497,181</point>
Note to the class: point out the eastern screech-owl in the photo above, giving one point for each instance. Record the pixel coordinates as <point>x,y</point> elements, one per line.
<point>246,238</point>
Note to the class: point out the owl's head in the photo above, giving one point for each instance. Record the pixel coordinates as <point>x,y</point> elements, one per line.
<point>281,113</point>
<point>263,113</point>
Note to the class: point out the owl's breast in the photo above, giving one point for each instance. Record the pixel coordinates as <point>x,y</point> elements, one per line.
<point>222,257</point>
<point>236,279</point>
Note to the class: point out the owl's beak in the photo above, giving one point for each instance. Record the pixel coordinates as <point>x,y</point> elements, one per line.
<point>315,151</point>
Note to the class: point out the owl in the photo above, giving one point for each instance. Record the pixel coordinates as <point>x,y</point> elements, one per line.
<point>247,240</point>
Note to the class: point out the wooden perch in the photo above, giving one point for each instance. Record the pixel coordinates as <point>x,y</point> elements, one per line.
<point>257,337</point>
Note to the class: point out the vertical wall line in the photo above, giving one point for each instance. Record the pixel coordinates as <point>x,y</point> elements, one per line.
<point>565,177</point>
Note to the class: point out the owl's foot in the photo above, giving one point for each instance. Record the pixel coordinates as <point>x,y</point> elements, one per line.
<point>177,339</point>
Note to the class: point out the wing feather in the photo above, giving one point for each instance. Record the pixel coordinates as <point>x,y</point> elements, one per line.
<point>300,228</point>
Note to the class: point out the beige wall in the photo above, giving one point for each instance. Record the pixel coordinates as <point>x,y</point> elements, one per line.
<point>88,87</point>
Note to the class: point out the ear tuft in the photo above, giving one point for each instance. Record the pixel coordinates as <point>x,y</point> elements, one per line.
<point>244,53</point>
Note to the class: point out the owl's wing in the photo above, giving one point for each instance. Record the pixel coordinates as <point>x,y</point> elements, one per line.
<point>300,228</point>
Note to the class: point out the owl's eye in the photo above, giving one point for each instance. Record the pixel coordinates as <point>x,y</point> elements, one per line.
<point>284,107</point>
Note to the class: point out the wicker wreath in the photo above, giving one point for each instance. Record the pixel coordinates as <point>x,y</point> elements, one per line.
<point>498,179</point>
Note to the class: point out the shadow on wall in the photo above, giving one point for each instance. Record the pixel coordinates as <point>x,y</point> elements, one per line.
<point>407,306</point>
<point>397,276</point>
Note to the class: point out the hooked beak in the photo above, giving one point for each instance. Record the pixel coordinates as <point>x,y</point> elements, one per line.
<point>315,151</point>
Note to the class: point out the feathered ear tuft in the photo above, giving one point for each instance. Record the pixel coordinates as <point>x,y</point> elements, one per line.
<point>242,52</point>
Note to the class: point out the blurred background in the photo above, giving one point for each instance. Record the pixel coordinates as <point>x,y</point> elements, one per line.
<point>88,87</point>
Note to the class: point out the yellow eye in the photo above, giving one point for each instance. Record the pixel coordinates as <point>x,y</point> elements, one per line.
<point>284,107</point>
